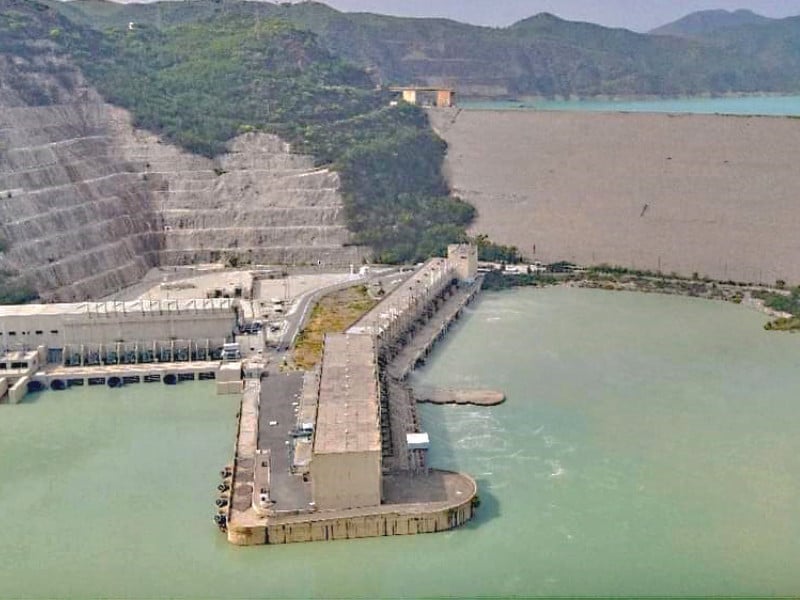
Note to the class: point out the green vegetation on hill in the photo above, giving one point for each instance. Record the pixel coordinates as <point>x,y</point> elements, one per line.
<point>704,22</point>
<point>203,83</point>
<point>542,55</point>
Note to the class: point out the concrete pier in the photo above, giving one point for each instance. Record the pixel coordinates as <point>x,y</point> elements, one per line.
<point>412,503</point>
<point>460,396</point>
<point>362,478</point>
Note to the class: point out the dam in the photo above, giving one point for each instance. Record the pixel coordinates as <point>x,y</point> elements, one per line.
<point>334,453</point>
<point>365,472</point>
<point>707,194</point>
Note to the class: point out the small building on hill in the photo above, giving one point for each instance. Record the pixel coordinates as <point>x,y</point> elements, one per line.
<point>440,97</point>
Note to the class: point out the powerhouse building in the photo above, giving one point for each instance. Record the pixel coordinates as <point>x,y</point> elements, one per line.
<point>130,330</point>
<point>346,458</point>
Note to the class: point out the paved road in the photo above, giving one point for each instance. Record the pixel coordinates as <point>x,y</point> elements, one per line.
<point>302,307</point>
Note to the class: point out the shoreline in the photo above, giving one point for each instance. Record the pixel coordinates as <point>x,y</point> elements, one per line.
<point>631,97</point>
<point>735,293</point>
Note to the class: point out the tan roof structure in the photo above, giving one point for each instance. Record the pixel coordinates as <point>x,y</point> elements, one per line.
<point>348,417</point>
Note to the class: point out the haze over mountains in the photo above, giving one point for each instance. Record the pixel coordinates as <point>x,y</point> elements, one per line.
<point>539,56</point>
<point>710,21</point>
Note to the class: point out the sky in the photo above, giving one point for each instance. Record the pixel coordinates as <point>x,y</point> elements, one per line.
<point>638,15</point>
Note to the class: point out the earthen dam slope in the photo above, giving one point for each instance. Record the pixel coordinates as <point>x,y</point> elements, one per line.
<point>707,194</point>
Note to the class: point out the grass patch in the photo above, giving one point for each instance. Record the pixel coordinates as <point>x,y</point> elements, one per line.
<point>334,313</point>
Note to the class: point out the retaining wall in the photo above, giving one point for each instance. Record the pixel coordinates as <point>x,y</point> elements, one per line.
<point>318,528</point>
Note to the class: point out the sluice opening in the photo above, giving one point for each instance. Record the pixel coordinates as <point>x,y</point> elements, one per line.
<point>36,386</point>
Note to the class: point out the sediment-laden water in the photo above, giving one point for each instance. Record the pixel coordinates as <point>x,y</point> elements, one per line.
<point>648,446</point>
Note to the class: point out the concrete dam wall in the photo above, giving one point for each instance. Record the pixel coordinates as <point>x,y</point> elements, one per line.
<point>88,204</point>
<point>715,195</point>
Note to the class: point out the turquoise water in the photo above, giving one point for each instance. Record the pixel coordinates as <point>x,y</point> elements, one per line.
<point>747,105</point>
<point>648,446</point>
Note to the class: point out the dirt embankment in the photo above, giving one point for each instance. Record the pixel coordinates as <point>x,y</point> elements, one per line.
<point>706,194</point>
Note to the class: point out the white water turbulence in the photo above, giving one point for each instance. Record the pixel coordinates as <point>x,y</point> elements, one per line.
<point>645,447</point>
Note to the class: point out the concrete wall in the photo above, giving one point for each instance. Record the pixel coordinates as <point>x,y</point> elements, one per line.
<point>318,528</point>
<point>464,258</point>
<point>133,327</point>
<point>346,480</point>
<point>29,331</point>
<point>18,390</point>
<point>59,331</point>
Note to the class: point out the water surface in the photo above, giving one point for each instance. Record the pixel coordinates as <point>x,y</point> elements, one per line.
<point>648,446</point>
<point>745,105</point>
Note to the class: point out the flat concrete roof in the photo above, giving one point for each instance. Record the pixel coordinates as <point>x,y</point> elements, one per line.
<point>111,307</point>
<point>348,417</point>
<point>399,300</point>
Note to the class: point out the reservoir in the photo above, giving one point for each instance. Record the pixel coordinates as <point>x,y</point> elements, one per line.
<point>647,446</point>
<point>734,105</point>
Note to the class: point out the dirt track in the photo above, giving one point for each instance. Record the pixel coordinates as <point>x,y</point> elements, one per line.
<point>715,195</point>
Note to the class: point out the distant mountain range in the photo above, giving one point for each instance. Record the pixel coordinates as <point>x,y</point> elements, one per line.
<point>714,52</point>
<point>704,22</point>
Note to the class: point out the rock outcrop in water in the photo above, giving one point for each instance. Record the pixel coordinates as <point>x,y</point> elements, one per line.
<point>88,204</point>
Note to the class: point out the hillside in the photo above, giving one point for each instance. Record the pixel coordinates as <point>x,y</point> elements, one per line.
<point>698,24</point>
<point>90,203</point>
<point>543,55</point>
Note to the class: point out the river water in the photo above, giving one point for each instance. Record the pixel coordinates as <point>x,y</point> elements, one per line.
<point>648,446</point>
<point>744,105</point>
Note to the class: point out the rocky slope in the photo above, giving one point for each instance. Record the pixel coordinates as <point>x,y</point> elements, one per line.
<point>76,220</point>
<point>258,203</point>
<point>88,204</point>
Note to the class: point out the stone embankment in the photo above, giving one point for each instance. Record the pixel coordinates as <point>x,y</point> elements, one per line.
<point>88,204</point>
<point>715,195</point>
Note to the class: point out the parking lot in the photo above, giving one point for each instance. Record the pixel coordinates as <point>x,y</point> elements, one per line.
<point>280,395</point>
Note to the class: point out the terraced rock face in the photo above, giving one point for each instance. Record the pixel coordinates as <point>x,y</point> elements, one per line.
<point>88,204</point>
<point>256,204</point>
<point>78,222</point>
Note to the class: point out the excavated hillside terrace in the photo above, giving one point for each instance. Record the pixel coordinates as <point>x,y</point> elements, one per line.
<point>88,204</point>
